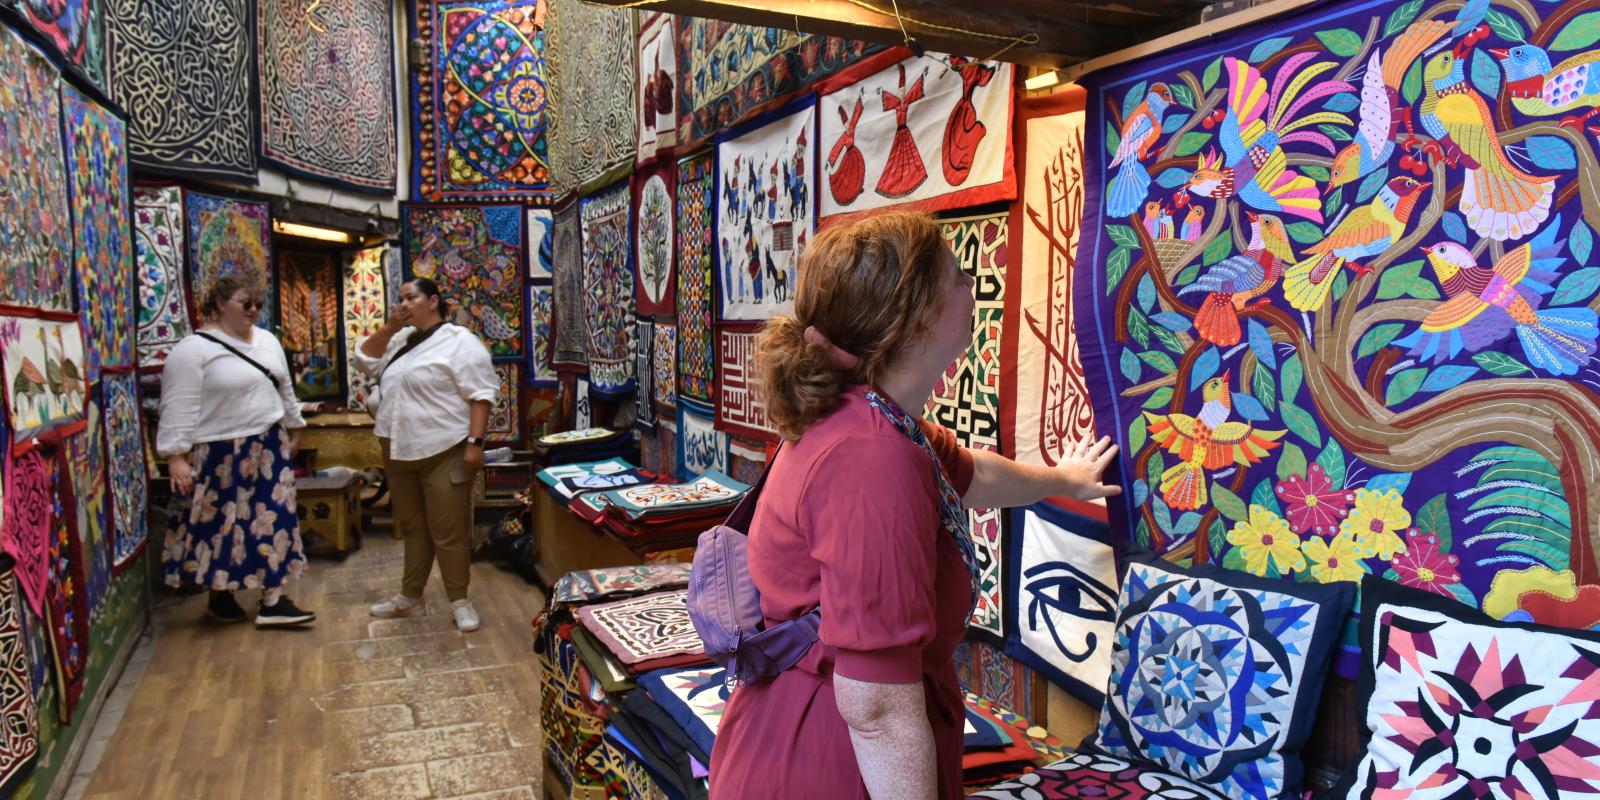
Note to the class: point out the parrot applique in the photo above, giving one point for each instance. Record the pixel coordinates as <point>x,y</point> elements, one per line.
<point>1365,232</point>
<point>1500,201</point>
<point>1538,89</point>
<point>1140,130</point>
<point>1234,283</point>
<point>1381,109</point>
<point>1252,164</point>
<point>1207,441</point>
<point>1485,305</point>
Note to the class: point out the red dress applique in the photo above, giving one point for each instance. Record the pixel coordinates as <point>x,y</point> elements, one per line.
<point>849,169</point>
<point>904,171</point>
<point>964,132</point>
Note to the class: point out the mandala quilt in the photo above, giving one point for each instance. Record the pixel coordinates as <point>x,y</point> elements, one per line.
<point>228,235</point>
<point>697,304</point>
<point>308,308</point>
<point>1086,775</point>
<point>607,291</point>
<point>35,225</point>
<point>365,310</point>
<point>1061,600</point>
<point>644,628</point>
<point>766,212</point>
<point>97,172</point>
<point>475,254</point>
<point>592,57</point>
<point>158,251</point>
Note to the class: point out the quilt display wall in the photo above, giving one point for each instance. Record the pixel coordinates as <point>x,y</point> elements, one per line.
<point>571,331</point>
<point>185,72</point>
<point>1358,352</point>
<point>697,342</point>
<point>308,310</point>
<point>653,239</point>
<point>97,171</point>
<point>739,407</point>
<point>657,89</point>
<point>229,235</point>
<point>35,229</point>
<point>125,460</point>
<point>930,132</point>
<point>45,380</point>
<point>766,212</point>
<point>592,58</point>
<point>607,291</point>
<point>480,101</point>
<point>475,254</point>
<point>158,252</point>
<point>729,72</point>
<point>365,309</point>
<point>327,90</point>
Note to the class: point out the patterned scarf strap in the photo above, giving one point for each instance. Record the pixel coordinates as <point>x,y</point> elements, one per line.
<point>951,516</point>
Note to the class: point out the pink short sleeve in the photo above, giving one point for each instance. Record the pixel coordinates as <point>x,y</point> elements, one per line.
<point>956,460</point>
<point>871,507</point>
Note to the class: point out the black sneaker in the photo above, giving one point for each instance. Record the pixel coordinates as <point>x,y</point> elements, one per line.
<point>284,613</point>
<point>223,608</point>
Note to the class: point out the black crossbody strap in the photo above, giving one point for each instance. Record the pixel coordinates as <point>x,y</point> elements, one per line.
<point>248,360</point>
<point>411,344</point>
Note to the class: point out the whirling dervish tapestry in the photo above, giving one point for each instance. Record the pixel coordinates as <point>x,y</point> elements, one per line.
<point>1335,279</point>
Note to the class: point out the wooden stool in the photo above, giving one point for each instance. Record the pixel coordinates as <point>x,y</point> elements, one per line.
<point>330,513</point>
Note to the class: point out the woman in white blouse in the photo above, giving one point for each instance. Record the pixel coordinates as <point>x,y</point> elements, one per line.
<point>230,425</point>
<point>435,386</point>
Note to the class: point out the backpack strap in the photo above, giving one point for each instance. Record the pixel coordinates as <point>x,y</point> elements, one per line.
<point>248,360</point>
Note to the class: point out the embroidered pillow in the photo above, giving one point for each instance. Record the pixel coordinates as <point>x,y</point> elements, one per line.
<point>1215,674</point>
<point>1457,704</point>
<point>1094,775</point>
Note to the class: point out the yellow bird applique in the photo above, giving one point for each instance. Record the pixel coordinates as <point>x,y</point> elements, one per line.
<point>1205,442</point>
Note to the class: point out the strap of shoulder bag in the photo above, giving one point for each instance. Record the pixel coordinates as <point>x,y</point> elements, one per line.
<point>248,360</point>
<point>411,344</point>
<point>745,511</point>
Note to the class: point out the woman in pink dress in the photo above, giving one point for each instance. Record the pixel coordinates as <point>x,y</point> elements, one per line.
<point>862,516</point>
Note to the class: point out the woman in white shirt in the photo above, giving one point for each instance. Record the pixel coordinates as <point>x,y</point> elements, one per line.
<point>435,386</point>
<point>230,425</point>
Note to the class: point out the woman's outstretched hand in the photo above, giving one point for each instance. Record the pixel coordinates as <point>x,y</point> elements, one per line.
<point>1081,468</point>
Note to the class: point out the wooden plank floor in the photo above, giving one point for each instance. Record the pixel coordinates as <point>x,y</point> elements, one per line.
<point>352,707</point>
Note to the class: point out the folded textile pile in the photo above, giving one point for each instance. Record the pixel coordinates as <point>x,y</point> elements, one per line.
<point>1001,744</point>
<point>587,444</point>
<point>662,515</point>
<point>565,482</point>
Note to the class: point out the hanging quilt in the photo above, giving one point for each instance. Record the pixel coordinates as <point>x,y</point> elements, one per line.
<point>67,24</point>
<point>729,72</point>
<point>97,169</point>
<point>664,362</point>
<point>186,74</point>
<point>582,407</point>
<point>541,243</point>
<point>592,52</point>
<point>657,91</point>
<point>394,272</point>
<point>702,448</point>
<point>658,450</point>
<point>125,459</point>
<point>695,698</point>
<point>929,133</point>
<point>644,628</point>
<point>571,331</point>
<point>327,90</point>
<point>1405,398</point>
<point>29,502</point>
<point>541,313</point>
<point>1044,399</point>
<point>86,454</point>
<point>35,229</point>
<point>766,212</point>
<point>228,235</point>
<point>480,101</point>
<point>308,307</point>
<point>1061,604</point>
<point>505,416</point>
<point>44,375</point>
<point>740,410</point>
<point>653,241</point>
<point>608,291</point>
<point>158,249</point>
<point>697,341</point>
<point>644,342</point>
<point>475,255</point>
<point>365,310</point>
<point>19,716</point>
<point>66,603</point>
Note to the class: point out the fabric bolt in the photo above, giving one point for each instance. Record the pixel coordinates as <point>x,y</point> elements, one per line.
<point>476,253</point>
<point>586,586</point>
<point>228,235</point>
<point>366,308</point>
<point>1082,775</point>
<point>435,382</point>
<point>948,146</point>
<point>209,394</point>
<point>1063,615</point>
<point>505,415</point>
<point>309,314</point>
<point>643,628</point>
<point>481,105</point>
<point>607,291</point>
<point>570,348</point>
<point>592,52</point>
<point>739,407</point>
<point>29,508</point>
<point>35,224</point>
<point>664,363</point>
<point>766,212</point>
<point>158,251</point>
<point>654,239</point>
<point>703,447</point>
<point>19,736</point>
<point>129,483</point>
<point>86,455</point>
<point>44,375</point>
<point>541,323</point>
<point>206,128</point>
<point>656,93</point>
<point>695,699</point>
<point>433,505</point>
<point>644,370</point>
<point>697,304</point>
<point>66,601</point>
<point>97,177</point>
<point>327,90</point>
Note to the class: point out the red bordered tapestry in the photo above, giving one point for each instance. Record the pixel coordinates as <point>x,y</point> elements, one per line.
<point>697,301</point>
<point>657,93</point>
<point>66,601</point>
<point>739,409</point>
<point>29,504</point>
<point>654,242</point>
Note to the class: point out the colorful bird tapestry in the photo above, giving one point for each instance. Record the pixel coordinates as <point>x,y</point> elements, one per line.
<point>766,212</point>
<point>186,74</point>
<point>308,310</point>
<point>365,310</point>
<point>45,378</point>
<point>929,132</point>
<point>480,101</point>
<point>592,49</point>
<point>607,291</point>
<point>1336,283</point>
<point>697,342</point>
<point>158,249</point>
<point>97,179</point>
<point>653,240</point>
<point>475,255</point>
<point>125,461</point>
<point>657,90</point>
<point>227,235</point>
<point>327,90</point>
<point>35,226</point>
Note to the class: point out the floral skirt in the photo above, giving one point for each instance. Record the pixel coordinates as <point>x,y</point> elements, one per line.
<point>237,529</point>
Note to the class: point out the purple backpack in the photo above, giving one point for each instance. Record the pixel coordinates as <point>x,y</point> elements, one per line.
<point>725,605</point>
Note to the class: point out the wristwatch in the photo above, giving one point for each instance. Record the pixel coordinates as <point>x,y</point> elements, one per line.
<point>475,441</point>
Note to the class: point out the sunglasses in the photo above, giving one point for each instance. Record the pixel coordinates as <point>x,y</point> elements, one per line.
<point>250,305</point>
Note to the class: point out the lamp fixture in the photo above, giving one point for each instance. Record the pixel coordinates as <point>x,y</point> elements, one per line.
<point>312,232</point>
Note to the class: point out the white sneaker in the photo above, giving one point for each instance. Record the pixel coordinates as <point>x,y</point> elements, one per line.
<point>466,616</point>
<point>397,606</point>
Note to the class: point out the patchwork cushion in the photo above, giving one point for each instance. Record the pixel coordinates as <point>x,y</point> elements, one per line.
<point>1215,674</point>
<point>1456,704</point>
<point>1102,777</point>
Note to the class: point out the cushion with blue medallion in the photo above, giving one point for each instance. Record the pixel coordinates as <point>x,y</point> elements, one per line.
<point>1215,674</point>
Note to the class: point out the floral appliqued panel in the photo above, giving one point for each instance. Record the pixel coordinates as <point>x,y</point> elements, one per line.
<point>125,459</point>
<point>654,239</point>
<point>607,291</point>
<point>541,339</point>
<point>97,173</point>
<point>475,253</point>
<point>664,361</point>
<point>35,226</point>
<point>158,251</point>
<point>366,308</point>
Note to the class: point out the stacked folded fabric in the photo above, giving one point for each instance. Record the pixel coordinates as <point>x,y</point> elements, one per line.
<point>587,444</point>
<point>662,515</point>
<point>1001,744</point>
<point>565,482</point>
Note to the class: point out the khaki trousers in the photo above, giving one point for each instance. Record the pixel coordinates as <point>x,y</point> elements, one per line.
<point>432,502</point>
